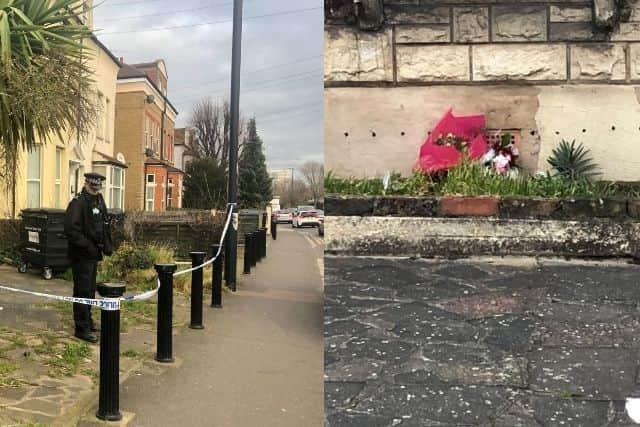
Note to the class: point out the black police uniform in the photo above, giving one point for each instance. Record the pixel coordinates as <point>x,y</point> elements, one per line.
<point>85,229</point>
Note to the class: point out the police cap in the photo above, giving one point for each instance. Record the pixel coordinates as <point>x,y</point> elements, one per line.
<point>94,179</point>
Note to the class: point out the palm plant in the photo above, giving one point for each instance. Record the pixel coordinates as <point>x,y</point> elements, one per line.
<point>572,161</point>
<point>46,88</point>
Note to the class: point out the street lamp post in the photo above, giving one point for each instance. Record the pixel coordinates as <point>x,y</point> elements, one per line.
<point>231,248</point>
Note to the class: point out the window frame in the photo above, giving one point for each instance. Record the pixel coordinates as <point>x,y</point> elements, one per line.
<point>150,185</point>
<point>57,183</point>
<point>38,149</point>
<point>170,187</point>
<point>100,123</point>
<point>116,189</point>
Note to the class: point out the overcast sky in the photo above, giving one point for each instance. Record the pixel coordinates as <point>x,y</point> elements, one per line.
<point>285,46</point>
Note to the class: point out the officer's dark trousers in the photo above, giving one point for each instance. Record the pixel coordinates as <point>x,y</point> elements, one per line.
<point>84,286</point>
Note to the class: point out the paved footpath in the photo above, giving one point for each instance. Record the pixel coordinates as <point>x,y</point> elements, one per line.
<point>500,343</point>
<point>33,335</point>
<point>258,362</point>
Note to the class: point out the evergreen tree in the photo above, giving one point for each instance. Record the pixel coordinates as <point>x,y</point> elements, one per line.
<point>254,181</point>
<point>205,184</point>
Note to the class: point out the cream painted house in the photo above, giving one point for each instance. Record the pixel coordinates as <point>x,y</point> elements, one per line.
<point>52,173</point>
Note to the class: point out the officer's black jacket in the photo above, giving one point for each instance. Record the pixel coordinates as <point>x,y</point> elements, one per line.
<point>84,226</point>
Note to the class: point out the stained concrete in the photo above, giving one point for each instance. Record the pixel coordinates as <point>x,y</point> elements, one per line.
<point>369,131</point>
<point>456,237</point>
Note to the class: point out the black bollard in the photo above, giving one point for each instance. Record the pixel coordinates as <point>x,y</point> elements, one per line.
<point>260,243</point>
<point>165,312</point>
<point>254,249</point>
<point>264,242</point>
<point>197,258</point>
<point>216,282</point>
<point>247,253</point>
<point>109,394</point>
<point>274,230</point>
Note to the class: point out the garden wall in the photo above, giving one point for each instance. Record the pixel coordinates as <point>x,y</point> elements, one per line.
<point>184,231</point>
<point>545,70</point>
<point>464,226</point>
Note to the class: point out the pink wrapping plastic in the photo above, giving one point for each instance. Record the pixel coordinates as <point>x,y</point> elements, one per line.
<point>434,158</point>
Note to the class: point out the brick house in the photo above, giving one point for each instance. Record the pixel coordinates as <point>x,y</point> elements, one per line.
<point>145,123</point>
<point>544,71</point>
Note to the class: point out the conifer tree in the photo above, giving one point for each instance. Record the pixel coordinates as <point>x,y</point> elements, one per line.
<point>254,181</point>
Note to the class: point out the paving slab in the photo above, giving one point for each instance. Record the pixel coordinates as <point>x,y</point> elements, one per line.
<point>33,331</point>
<point>258,360</point>
<point>480,342</point>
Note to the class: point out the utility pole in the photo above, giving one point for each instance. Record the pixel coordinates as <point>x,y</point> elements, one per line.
<point>231,248</point>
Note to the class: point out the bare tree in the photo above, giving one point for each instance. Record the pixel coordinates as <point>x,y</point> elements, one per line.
<point>313,174</point>
<point>211,121</point>
<point>291,197</point>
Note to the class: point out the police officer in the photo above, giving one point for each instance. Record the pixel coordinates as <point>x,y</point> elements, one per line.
<point>86,227</point>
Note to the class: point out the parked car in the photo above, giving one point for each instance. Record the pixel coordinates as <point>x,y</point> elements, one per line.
<point>305,218</point>
<point>284,216</point>
<point>321,226</point>
<point>304,208</point>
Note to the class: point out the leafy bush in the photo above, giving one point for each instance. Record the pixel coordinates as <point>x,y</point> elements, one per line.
<point>133,264</point>
<point>474,179</point>
<point>572,161</point>
<point>129,257</point>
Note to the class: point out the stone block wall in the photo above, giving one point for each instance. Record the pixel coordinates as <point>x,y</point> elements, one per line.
<point>436,42</point>
<point>579,65</point>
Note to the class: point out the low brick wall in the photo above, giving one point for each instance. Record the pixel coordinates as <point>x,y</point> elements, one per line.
<point>464,226</point>
<point>484,206</point>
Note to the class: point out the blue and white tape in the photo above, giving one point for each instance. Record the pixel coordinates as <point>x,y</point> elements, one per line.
<point>109,304</point>
<point>113,304</point>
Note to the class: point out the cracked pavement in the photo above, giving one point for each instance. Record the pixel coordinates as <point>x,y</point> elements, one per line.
<point>484,342</point>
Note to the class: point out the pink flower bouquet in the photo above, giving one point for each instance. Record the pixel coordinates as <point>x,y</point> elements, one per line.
<point>452,138</point>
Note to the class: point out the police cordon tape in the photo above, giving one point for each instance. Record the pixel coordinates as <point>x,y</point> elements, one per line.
<point>113,304</point>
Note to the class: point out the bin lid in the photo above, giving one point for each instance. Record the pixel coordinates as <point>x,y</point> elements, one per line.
<point>43,211</point>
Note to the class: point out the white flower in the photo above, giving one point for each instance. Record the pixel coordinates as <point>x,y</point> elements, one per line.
<point>489,155</point>
<point>501,163</point>
<point>386,180</point>
<point>515,151</point>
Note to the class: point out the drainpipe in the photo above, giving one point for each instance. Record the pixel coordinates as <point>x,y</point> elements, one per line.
<point>144,189</point>
<point>164,113</point>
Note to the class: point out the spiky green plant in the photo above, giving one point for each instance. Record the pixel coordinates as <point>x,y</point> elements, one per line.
<point>46,85</point>
<point>573,161</point>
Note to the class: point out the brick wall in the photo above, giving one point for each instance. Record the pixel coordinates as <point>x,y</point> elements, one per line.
<point>129,140</point>
<point>550,70</point>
